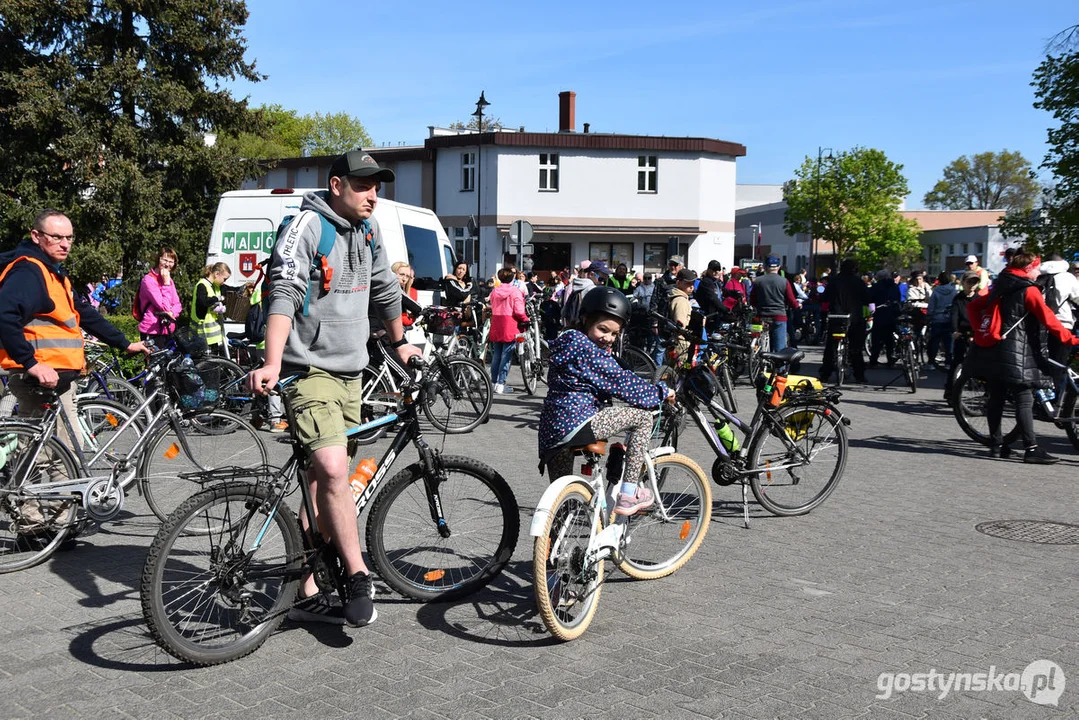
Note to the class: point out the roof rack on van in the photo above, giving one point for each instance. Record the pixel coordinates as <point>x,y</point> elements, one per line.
<point>282,191</point>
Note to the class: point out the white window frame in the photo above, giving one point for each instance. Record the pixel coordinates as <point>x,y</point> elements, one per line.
<point>648,171</point>
<point>468,171</point>
<point>548,172</point>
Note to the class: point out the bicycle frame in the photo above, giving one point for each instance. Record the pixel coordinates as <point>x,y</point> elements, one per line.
<point>1056,406</point>
<point>123,468</point>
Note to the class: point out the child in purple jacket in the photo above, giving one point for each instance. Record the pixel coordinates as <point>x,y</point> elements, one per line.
<point>157,293</point>
<point>582,378</point>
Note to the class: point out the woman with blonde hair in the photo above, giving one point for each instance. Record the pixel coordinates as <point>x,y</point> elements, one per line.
<point>404,276</point>
<point>208,306</point>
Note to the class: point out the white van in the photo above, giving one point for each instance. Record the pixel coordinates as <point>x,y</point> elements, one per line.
<point>245,229</point>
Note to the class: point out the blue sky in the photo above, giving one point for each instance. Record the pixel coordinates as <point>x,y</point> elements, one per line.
<point>925,81</point>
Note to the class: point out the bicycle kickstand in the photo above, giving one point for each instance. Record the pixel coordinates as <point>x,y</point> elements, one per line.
<point>745,507</point>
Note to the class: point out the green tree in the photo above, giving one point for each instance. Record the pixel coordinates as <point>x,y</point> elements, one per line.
<point>104,110</point>
<point>1054,227</point>
<point>986,181</point>
<point>489,123</point>
<point>852,201</point>
<point>286,134</point>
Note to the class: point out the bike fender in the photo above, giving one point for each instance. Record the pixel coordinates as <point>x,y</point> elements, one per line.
<point>543,508</point>
<point>661,451</point>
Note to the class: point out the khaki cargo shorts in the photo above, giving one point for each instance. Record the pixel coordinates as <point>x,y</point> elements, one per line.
<point>325,406</point>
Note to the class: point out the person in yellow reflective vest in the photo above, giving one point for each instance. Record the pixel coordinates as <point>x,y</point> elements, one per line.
<point>208,306</point>
<point>41,320</point>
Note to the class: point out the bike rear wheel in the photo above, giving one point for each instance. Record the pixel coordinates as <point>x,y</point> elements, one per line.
<point>424,562</point>
<point>841,361</point>
<point>456,395</point>
<point>637,362</point>
<point>970,401</point>
<point>99,421</point>
<point>910,367</point>
<point>798,462</point>
<point>1067,413</point>
<point>165,457</point>
<point>221,574</point>
<point>31,530</point>
<point>656,546</point>
<point>567,592</point>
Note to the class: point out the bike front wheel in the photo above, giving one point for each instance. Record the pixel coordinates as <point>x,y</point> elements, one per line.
<point>664,537</point>
<point>529,368</point>
<point>567,588</point>
<point>841,361</point>
<point>456,395</point>
<point>32,529</point>
<point>638,362</point>
<point>221,574</point>
<point>99,421</point>
<point>167,455</point>
<point>910,367</point>
<point>797,459</point>
<point>425,561</point>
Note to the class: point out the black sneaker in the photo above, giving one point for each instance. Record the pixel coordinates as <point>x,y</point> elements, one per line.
<point>1037,456</point>
<point>317,608</point>
<point>360,608</point>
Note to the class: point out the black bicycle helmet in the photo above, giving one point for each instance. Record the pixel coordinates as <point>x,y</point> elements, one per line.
<point>606,300</point>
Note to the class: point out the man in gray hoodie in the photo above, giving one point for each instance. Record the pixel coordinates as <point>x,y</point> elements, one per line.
<point>318,325</point>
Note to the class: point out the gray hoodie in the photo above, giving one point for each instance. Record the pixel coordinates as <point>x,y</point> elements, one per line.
<point>940,304</point>
<point>333,335</point>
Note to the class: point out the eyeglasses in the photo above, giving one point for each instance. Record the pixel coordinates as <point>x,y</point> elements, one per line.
<point>58,238</point>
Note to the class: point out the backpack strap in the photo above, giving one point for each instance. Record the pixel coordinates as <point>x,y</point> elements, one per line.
<point>320,265</point>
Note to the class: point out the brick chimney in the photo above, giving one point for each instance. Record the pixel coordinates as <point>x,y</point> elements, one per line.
<point>567,106</point>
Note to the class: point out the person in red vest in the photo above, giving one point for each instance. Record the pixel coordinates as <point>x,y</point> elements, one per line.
<point>41,320</point>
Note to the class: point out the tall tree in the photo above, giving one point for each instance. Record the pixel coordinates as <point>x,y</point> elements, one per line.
<point>986,181</point>
<point>852,201</point>
<point>285,133</point>
<point>105,111</point>
<point>1054,227</point>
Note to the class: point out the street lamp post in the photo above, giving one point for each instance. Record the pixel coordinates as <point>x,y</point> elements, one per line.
<point>480,105</point>
<point>756,230</point>
<point>816,213</point>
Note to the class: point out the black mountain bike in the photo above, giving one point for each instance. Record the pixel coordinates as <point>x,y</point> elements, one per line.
<point>224,569</point>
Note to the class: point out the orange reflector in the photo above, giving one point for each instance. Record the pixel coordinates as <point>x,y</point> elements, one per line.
<point>111,419</point>
<point>685,531</point>
<point>434,575</point>
<point>768,474</point>
<point>172,451</point>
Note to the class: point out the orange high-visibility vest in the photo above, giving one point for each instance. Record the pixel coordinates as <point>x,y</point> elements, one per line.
<point>55,335</point>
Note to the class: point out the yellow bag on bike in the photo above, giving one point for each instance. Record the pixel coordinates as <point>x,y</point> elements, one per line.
<point>798,424</point>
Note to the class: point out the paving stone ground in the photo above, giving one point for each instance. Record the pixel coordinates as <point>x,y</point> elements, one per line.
<point>792,618</point>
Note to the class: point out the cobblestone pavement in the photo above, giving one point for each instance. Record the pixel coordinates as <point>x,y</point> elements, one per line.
<point>794,617</point>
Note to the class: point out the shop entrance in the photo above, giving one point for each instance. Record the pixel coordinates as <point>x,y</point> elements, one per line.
<point>550,257</point>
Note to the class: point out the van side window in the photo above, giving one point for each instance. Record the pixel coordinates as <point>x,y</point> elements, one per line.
<point>425,257</point>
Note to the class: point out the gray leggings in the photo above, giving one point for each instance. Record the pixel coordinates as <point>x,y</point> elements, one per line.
<point>611,423</point>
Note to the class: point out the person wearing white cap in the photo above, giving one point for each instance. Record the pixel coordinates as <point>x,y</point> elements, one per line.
<point>983,276</point>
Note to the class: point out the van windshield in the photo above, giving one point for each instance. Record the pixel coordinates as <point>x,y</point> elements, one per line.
<point>425,257</point>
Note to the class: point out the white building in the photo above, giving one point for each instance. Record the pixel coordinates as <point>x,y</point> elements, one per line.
<point>620,198</point>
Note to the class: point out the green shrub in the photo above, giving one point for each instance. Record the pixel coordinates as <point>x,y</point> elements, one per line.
<point>129,326</point>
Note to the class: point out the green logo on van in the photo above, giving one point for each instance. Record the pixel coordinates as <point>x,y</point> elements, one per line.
<point>233,242</point>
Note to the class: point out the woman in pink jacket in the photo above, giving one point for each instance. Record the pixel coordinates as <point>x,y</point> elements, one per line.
<point>507,309</point>
<point>157,294</point>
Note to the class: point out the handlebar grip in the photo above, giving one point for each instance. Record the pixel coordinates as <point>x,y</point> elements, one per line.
<point>415,363</point>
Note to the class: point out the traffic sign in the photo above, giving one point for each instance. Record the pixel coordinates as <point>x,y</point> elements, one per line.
<point>521,232</point>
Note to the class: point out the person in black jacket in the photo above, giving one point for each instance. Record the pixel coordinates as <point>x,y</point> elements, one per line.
<point>885,296</point>
<point>846,294</point>
<point>1016,365</point>
<point>961,329</point>
<point>709,297</point>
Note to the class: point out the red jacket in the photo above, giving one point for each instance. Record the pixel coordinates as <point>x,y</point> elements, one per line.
<point>507,309</point>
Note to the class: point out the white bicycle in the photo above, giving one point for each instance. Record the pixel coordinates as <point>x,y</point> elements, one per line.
<point>576,531</point>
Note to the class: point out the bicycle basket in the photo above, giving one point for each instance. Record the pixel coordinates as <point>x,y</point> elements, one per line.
<point>838,324</point>
<point>188,386</point>
<point>189,342</point>
<point>441,321</point>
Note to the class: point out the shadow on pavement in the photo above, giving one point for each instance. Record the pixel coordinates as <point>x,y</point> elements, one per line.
<point>921,446</point>
<point>502,614</point>
<point>121,644</point>
<point>86,566</point>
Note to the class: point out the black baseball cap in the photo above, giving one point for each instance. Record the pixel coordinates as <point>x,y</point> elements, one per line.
<point>686,275</point>
<point>357,163</point>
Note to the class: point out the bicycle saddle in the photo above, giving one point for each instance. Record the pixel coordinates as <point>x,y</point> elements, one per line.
<point>785,356</point>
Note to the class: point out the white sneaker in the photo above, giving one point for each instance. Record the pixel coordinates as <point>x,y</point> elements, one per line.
<point>499,388</point>
<point>507,390</point>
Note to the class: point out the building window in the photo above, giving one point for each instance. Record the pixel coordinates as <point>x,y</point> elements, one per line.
<point>468,171</point>
<point>459,235</point>
<point>966,248</point>
<point>647,170</point>
<point>979,249</point>
<point>611,253</point>
<point>548,172</point>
